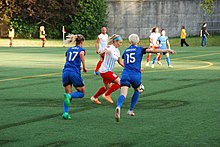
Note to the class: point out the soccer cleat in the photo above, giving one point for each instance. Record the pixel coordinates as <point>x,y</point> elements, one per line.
<point>67,98</point>
<point>117,114</point>
<point>95,100</point>
<point>152,66</point>
<point>147,64</point>
<point>158,62</point>
<point>96,73</point>
<point>66,116</point>
<point>108,98</point>
<point>131,113</point>
<point>170,66</point>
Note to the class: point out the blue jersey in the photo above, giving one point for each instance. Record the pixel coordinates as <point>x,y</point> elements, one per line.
<point>163,42</point>
<point>132,58</point>
<point>73,60</point>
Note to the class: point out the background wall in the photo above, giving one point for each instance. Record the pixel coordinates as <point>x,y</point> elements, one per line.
<point>139,16</point>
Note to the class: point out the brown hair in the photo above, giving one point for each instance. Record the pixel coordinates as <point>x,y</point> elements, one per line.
<point>77,39</point>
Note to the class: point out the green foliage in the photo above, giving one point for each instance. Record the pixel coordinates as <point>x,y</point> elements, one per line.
<point>23,28</point>
<point>91,16</point>
<point>208,6</point>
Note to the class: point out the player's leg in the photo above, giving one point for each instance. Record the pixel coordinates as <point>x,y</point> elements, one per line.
<point>113,78</point>
<point>185,42</point>
<point>121,98</point>
<point>155,59</point>
<point>148,59</point>
<point>181,42</point>
<point>99,64</point>
<point>168,60</point>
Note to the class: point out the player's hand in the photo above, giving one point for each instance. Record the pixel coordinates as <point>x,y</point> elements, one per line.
<point>85,70</point>
<point>172,52</point>
<point>142,70</point>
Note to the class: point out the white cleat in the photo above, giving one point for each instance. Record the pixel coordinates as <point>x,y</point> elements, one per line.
<point>117,114</point>
<point>170,66</point>
<point>147,64</point>
<point>131,113</point>
<point>158,62</point>
<point>152,66</point>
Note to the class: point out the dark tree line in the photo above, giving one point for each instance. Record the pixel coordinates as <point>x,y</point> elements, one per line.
<point>78,16</point>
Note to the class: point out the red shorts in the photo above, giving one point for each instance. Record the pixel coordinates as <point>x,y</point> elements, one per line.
<point>102,55</point>
<point>108,77</point>
<point>155,47</point>
<point>43,39</point>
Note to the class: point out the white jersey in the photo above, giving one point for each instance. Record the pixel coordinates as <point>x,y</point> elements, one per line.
<point>111,56</point>
<point>154,37</point>
<point>103,41</point>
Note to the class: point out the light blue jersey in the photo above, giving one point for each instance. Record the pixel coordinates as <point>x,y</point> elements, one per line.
<point>163,42</point>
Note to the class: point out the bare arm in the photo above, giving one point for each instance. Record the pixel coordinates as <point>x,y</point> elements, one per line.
<point>120,62</point>
<point>168,44</point>
<point>201,33</point>
<point>97,45</point>
<point>82,57</point>
<point>160,51</point>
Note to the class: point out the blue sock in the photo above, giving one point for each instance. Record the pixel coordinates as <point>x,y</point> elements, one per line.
<point>134,99</point>
<point>154,60</point>
<point>65,108</point>
<point>120,101</point>
<point>168,60</point>
<point>77,95</point>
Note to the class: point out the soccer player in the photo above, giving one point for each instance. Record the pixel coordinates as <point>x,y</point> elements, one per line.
<point>11,34</point>
<point>72,72</point>
<point>203,34</point>
<point>101,43</point>
<point>110,79</point>
<point>131,74</point>
<point>43,35</point>
<point>183,37</point>
<point>153,43</point>
<point>163,43</point>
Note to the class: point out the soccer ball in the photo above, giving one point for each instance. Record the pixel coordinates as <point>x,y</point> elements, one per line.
<point>141,88</point>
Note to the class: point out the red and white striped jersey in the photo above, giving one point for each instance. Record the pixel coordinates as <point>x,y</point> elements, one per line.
<point>112,55</point>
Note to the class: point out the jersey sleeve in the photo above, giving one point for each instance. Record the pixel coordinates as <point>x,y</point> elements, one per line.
<point>143,50</point>
<point>100,36</point>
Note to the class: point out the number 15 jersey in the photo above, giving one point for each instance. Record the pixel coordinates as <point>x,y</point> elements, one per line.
<point>132,58</point>
<point>73,60</point>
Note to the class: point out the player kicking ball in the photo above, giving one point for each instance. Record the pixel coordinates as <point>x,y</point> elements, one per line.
<point>131,74</point>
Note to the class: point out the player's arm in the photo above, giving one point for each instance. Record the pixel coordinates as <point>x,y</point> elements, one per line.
<point>82,57</point>
<point>168,44</point>
<point>120,62</point>
<point>160,51</point>
<point>97,45</point>
<point>200,33</point>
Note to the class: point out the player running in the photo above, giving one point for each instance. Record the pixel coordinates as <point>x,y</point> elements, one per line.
<point>110,79</point>
<point>131,74</point>
<point>43,35</point>
<point>153,43</point>
<point>72,72</point>
<point>163,43</point>
<point>101,43</point>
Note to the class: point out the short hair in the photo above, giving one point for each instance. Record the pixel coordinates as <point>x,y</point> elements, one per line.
<point>133,39</point>
<point>77,39</point>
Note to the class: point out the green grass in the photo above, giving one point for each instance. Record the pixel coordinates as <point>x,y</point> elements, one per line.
<point>180,106</point>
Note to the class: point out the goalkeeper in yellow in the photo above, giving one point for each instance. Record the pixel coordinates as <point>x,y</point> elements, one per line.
<point>43,35</point>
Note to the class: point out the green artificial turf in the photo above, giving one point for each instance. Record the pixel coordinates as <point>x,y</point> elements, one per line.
<point>180,106</point>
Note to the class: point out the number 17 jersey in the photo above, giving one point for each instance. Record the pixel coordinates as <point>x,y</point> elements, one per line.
<point>132,58</point>
<point>73,60</point>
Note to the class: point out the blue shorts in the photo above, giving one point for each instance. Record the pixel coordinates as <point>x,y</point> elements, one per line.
<point>72,78</point>
<point>131,78</point>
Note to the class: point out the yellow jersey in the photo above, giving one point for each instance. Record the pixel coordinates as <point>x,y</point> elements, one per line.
<point>183,34</point>
<point>42,34</point>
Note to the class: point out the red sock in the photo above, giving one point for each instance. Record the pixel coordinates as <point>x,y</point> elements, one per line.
<point>101,91</point>
<point>98,65</point>
<point>113,88</point>
<point>159,58</point>
<point>148,57</point>
<point>43,44</point>
<point>10,44</point>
